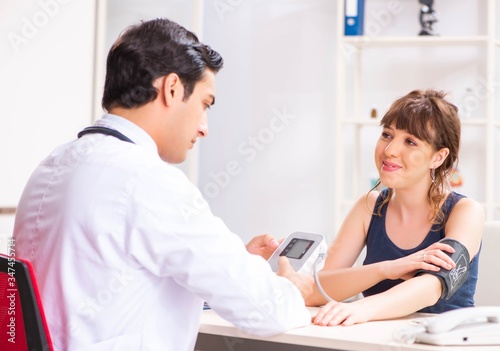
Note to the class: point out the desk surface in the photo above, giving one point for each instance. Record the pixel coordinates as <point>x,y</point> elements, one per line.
<point>371,336</point>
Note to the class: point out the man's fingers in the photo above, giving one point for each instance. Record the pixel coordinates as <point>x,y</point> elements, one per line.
<point>284,266</point>
<point>273,243</point>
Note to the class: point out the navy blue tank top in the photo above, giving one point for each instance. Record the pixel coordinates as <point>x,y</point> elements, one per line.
<point>380,248</point>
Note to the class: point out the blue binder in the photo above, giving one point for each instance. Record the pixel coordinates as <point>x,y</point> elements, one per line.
<point>354,17</point>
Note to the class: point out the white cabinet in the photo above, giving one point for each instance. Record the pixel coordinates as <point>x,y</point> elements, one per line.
<point>391,59</point>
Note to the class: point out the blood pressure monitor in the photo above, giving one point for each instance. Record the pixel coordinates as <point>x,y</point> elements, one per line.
<point>302,250</point>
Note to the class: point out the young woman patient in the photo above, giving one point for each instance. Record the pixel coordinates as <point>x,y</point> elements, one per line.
<point>407,268</point>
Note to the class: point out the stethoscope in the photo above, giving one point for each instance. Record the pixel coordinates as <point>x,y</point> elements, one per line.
<point>106,131</point>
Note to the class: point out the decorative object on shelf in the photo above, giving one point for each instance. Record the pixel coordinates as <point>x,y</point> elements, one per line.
<point>354,17</point>
<point>373,113</point>
<point>456,179</point>
<point>427,17</point>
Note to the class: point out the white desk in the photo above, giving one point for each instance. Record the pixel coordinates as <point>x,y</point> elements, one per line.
<point>216,334</point>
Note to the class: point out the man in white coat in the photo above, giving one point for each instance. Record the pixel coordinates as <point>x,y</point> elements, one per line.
<point>124,247</point>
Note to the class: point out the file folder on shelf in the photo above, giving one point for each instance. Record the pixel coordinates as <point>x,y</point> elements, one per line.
<point>354,17</point>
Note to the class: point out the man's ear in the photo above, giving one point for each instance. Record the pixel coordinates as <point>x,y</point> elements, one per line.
<point>439,157</point>
<point>172,88</point>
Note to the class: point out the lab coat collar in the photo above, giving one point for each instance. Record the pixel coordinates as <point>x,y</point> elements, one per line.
<point>129,129</point>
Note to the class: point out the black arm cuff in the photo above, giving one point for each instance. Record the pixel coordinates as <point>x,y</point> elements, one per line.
<point>452,280</point>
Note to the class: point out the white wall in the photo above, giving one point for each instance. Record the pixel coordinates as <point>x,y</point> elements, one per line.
<point>272,124</point>
<point>122,13</point>
<point>46,67</point>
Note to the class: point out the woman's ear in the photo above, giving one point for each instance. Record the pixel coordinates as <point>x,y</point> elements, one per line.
<point>439,157</point>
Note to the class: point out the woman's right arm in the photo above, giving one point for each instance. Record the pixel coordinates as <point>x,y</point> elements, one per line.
<point>338,278</point>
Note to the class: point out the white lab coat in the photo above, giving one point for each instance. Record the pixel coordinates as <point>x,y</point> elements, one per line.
<point>126,250</point>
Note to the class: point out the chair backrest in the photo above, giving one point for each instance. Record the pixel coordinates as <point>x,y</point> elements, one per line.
<point>488,287</point>
<point>22,321</point>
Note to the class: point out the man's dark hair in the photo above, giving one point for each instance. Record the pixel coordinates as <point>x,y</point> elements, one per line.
<point>149,50</point>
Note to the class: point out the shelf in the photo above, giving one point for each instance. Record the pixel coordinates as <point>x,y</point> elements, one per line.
<point>474,122</point>
<point>481,129</point>
<point>361,122</point>
<point>363,41</point>
<point>376,122</point>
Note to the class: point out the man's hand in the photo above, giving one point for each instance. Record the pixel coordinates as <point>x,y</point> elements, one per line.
<point>304,283</point>
<point>263,245</point>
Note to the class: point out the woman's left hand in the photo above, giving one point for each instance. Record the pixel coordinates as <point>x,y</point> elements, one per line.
<point>433,258</point>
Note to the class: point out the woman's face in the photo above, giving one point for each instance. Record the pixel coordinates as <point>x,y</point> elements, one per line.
<point>402,159</point>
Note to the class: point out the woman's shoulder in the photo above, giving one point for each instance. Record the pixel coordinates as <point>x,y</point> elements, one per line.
<point>466,222</point>
<point>366,202</point>
<point>374,195</point>
<point>467,211</point>
<point>464,203</point>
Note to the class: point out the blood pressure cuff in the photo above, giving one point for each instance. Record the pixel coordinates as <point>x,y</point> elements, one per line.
<point>452,279</point>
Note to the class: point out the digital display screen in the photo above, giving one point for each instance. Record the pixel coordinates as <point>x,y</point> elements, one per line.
<point>297,248</point>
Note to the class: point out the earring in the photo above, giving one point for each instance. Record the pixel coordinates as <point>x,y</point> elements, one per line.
<point>433,174</point>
